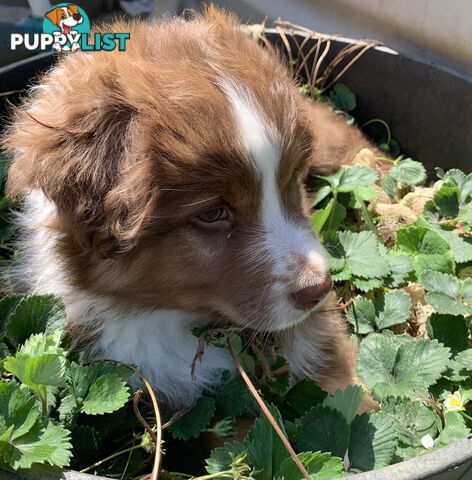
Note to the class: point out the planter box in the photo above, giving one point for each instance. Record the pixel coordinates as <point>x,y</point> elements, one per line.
<point>429,113</point>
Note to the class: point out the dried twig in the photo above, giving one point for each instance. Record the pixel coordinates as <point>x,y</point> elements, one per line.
<point>267,413</point>
<point>136,399</point>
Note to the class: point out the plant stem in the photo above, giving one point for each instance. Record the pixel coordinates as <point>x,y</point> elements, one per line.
<point>111,457</point>
<point>466,416</point>
<point>368,217</point>
<point>268,414</point>
<point>384,123</point>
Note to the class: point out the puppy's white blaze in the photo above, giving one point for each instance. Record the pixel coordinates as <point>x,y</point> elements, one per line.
<point>284,240</point>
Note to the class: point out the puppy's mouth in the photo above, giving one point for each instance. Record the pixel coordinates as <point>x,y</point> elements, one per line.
<point>66,29</point>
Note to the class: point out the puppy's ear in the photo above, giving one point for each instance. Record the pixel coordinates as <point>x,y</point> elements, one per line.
<point>80,143</point>
<point>335,142</point>
<point>54,15</point>
<point>74,9</point>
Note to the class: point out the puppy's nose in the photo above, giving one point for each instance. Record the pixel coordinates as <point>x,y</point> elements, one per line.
<point>77,16</point>
<point>308,297</point>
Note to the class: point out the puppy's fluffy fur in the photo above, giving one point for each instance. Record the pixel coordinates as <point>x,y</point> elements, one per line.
<point>124,161</point>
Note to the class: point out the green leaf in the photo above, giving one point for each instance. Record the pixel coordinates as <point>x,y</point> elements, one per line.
<point>400,266</point>
<point>461,246</point>
<point>361,315</point>
<point>35,314</point>
<point>455,177</point>
<point>221,458</point>
<point>234,398</point>
<point>447,294</point>
<point>450,330</point>
<point>342,98</point>
<point>195,421</point>
<point>358,253</point>
<point>322,429</point>
<point>25,437</point>
<point>328,218</point>
<point>106,395</point>
<point>7,307</point>
<point>322,466</point>
<point>346,402</point>
<point>408,171</point>
<point>366,284</point>
<point>321,194</point>
<point>400,368</point>
<point>454,430</point>
<point>356,177</point>
<point>39,362</point>
<point>304,395</point>
<point>389,185</point>
<point>415,239</point>
<point>265,450</point>
<point>392,308</point>
<point>411,419</point>
<point>430,251</point>
<point>446,200</point>
<point>373,442</point>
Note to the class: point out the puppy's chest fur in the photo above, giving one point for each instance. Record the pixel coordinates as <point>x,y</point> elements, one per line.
<point>160,342</point>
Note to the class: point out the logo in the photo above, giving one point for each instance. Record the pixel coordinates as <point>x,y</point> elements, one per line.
<point>66,28</point>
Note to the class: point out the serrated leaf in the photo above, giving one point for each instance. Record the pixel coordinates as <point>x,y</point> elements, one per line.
<point>446,200</point>
<point>447,294</point>
<point>450,330</point>
<point>359,253</point>
<point>25,437</point>
<point>265,449</point>
<point>106,395</point>
<point>234,398</point>
<point>52,446</point>
<point>322,466</point>
<point>195,420</point>
<point>4,352</point>
<point>455,177</point>
<point>366,284</point>
<point>322,429</point>
<point>415,239</point>
<point>346,402</point>
<point>221,458</point>
<point>400,266</point>
<point>412,419</point>
<point>454,430</point>
<point>392,308</point>
<point>389,186</point>
<point>408,171</point>
<point>39,362</point>
<point>361,315</point>
<point>35,314</point>
<point>304,395</point>
<point>373,442</point>
<point>7,307</point>
<point>461,246</point>
<point>342,97</point>
<point>392,368</point>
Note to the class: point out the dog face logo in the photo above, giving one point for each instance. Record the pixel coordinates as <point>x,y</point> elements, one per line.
<point>69,20</point>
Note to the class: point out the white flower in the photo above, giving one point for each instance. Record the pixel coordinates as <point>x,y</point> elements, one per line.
<point>454,402</point>
<point>427,441</point>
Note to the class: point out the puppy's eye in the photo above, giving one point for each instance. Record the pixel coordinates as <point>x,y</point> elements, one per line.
<point>214,215</point>
<point>214,219</point>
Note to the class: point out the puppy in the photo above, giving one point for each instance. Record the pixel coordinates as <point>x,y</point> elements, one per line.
<point>169,189</point>
<point>65,18</point>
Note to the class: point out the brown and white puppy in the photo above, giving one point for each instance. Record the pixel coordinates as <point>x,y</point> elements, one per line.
<point>169,188</point>
<point>66,18</point>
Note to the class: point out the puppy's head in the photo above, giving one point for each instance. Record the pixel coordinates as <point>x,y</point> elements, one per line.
<point>177,170</point>
<point>65,17</point>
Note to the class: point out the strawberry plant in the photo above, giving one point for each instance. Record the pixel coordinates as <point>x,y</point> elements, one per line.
<point>400,252</point>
